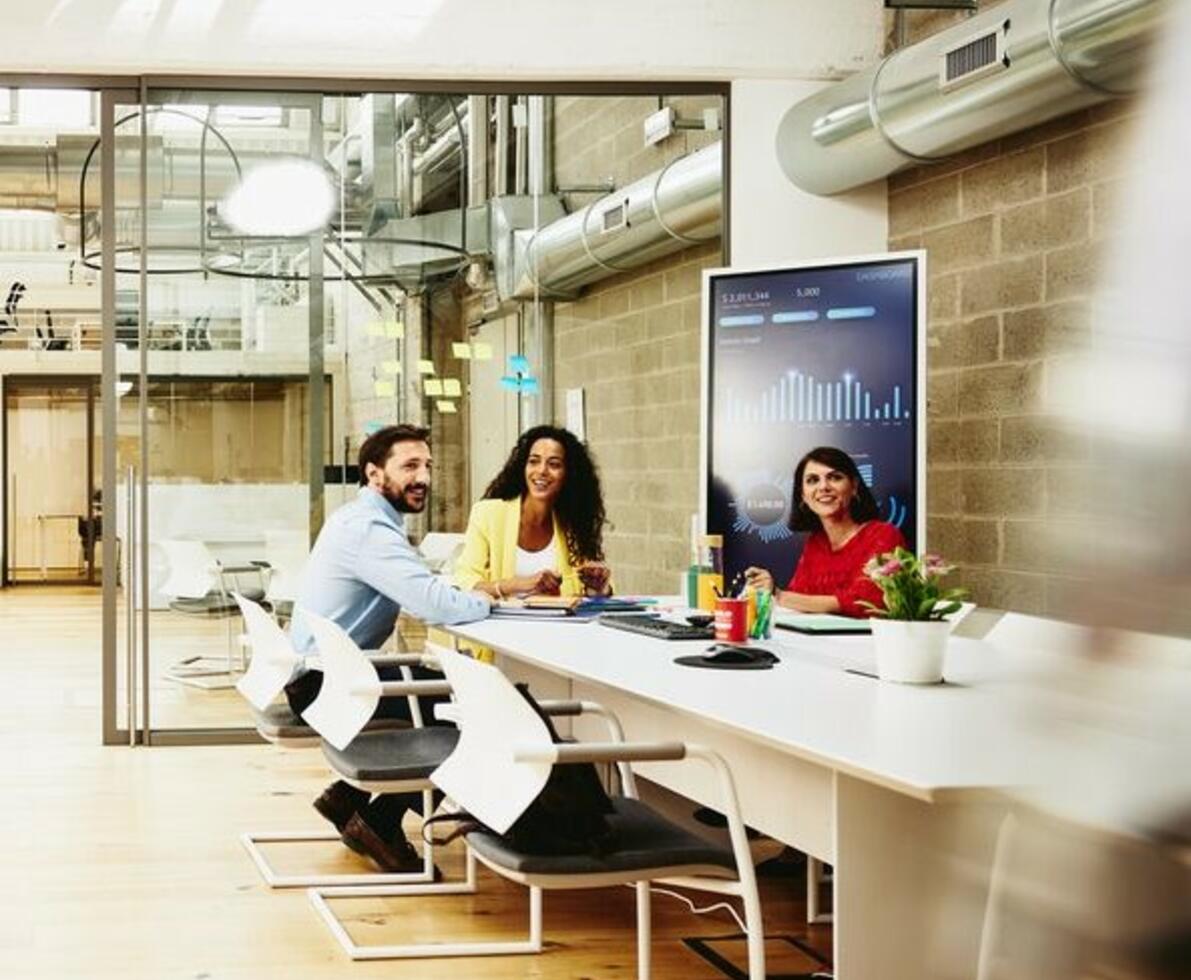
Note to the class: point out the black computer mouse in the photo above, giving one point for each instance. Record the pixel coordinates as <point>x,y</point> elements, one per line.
<point>726,653</point>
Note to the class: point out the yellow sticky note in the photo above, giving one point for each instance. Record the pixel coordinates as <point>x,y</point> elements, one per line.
<point>394,329</point>
<point>425,367</point>
<point>447,408</point>
<point>375,330</point>
<point>391,367</point>
<point>461,351</point>
<point>481,352</point>
<point>385,389</point>
<point>432,386</point>
<point>451,387</point>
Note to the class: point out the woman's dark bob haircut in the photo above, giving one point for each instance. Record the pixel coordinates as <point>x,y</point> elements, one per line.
<point>580,503</point>
<point>863,507</point>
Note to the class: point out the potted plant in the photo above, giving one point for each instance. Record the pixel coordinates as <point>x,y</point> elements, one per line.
<point>910,632</point>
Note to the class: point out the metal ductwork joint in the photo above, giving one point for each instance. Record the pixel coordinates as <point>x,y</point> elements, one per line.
<point>1017,65</point>
<point>669,210</point>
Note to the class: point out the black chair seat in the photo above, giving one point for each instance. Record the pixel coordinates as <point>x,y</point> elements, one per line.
<point>278,722</point>
<point>642,839</point>
<point>413,753</point>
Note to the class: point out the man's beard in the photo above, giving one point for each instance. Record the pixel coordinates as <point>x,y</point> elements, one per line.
<point>401,503</point>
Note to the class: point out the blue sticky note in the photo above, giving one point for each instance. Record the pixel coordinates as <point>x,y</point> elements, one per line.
<point>519,364</point>
<point>513,384</point>
<point>372,427</point>
<point>529,386</point>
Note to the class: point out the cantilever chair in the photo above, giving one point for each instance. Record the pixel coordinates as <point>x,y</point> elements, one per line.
<point>285,553</point>
<point>501,763</point>
<point>198,585</point>
<point>272,665</point>
<point>384,761</point>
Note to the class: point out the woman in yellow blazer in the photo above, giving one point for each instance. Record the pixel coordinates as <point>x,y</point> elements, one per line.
<point>540,525</point>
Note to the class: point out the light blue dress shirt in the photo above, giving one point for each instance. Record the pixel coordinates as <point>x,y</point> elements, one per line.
<point>363,571</point>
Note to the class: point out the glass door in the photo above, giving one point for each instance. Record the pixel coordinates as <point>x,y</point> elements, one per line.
<point>51,523</point>
<point>215,320</point>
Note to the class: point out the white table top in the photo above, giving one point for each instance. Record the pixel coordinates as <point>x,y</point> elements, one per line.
<point>926,742</point>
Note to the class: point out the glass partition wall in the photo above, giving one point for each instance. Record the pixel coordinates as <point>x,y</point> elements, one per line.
<point>285,272</point>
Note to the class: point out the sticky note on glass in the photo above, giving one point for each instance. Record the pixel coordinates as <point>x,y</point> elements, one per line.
<point>529,386</point>
<point>425,367</point>
<point>394,329</point>
<point>447,408</point>
<point>391,367</point>
<point>432,386</point>
<point>375,329</point>
<point>461,351</point>
<point>373,426</point>
<point>385,389</point>
<point>513,384</point>
<point>481,352</point>
<point>518,364</point>
<point>452,388</point>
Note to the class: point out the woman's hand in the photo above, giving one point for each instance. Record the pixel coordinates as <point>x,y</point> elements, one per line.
<point>758,578</point>
<point>545,582</point>
<point>595,576</point>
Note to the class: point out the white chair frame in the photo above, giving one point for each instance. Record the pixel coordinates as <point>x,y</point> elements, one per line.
<point>622,754</point>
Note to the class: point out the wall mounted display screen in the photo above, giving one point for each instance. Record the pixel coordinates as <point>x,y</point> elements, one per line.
<point>825,355</point>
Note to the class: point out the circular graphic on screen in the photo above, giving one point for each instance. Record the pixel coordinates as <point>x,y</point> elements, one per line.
<point>763,508</point>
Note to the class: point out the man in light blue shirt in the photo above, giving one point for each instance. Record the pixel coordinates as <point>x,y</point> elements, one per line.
<point>361,573</point>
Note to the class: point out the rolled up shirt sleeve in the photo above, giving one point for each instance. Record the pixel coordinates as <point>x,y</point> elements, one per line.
<point>389,564</point>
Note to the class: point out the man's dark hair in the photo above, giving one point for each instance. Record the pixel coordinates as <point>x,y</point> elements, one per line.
<point>580,503</point>
<point>376,448</point>
<point>863,507</point>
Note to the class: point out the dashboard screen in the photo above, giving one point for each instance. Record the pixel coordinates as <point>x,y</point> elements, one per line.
<point>803,357</point>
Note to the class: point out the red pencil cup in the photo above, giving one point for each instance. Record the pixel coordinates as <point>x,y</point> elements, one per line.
<point>731,620</point>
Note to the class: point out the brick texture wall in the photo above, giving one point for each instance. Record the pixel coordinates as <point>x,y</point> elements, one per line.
<point>633,343</point>
<point>1015,231</point>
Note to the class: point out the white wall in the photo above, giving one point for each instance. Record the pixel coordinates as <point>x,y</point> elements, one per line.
<point>614,39</point>
<point>772,221</point>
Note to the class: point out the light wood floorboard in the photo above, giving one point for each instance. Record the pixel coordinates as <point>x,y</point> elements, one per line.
<point>125,862</point>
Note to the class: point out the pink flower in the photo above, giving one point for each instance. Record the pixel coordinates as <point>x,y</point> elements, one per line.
<point>891,567</point>
<point>935,565</point>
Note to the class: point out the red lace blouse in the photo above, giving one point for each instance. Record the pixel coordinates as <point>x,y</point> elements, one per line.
<point>822,571</point>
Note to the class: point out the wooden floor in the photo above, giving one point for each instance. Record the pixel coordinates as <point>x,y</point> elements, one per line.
<point>126,862</point>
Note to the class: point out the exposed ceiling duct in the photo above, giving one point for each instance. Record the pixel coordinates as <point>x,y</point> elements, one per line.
<point>1016,65</point>
<point>673,208</point>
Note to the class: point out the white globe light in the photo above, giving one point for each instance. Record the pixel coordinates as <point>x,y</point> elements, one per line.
<point>283,197</point>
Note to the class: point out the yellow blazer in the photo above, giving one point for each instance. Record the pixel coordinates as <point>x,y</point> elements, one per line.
<point>490,547</point>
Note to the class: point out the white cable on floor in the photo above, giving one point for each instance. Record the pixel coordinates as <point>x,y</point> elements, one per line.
<point>691,905</point>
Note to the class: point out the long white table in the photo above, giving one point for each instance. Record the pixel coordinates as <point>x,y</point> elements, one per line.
<point>893,785</point>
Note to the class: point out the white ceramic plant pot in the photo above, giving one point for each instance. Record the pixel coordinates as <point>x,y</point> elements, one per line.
<point>909,652</point>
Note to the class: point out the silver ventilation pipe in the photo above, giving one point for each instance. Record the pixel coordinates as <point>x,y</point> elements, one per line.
<point>1017,65</point>
<point>671,209</point>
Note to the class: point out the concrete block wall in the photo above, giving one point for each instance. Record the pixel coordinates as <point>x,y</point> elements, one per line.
<point>634,346</point>
<point>1015,232</point>
<point>633,343</point>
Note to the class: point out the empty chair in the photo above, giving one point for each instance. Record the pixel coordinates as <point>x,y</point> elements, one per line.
<point>285,554</point>
<point>502,761</point>
<point>439,549</point>
<point>198,584</point>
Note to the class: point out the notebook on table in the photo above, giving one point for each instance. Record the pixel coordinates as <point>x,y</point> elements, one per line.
<point>821,624</point>
<point>555,606</point>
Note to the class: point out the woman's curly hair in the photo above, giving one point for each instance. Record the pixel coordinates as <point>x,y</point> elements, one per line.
<point>580,502</point>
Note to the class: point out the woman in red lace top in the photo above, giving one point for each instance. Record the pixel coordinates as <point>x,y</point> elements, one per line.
<point>837,508</point>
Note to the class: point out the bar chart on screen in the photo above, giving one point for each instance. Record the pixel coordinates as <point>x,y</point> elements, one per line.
<point>797,398</point>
